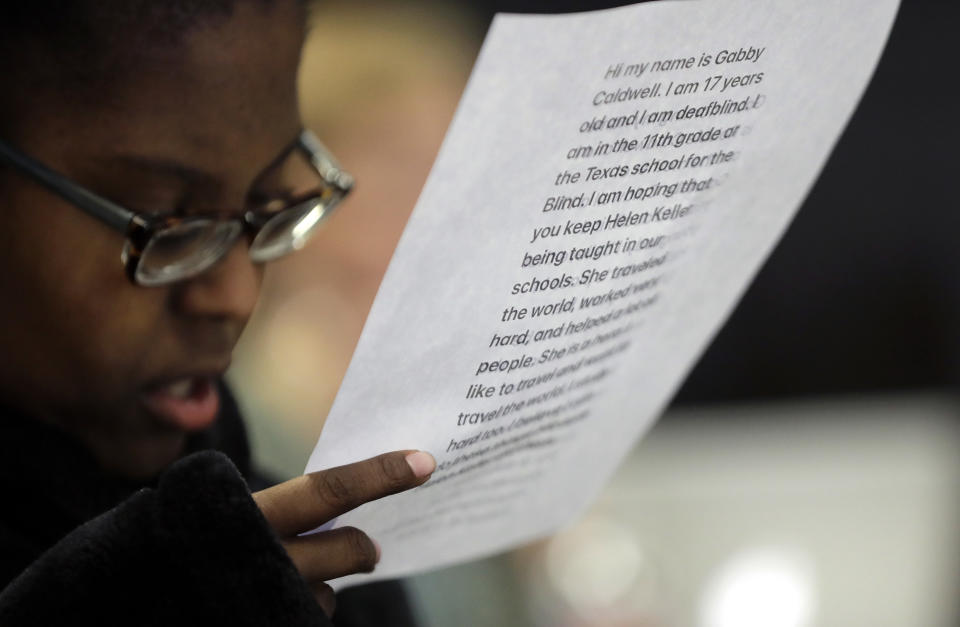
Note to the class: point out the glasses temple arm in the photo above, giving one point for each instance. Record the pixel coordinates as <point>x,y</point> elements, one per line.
<point>95,205</point>
<point>324,162</point>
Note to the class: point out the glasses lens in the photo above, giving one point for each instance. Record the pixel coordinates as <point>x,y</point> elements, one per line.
<point>288,231</point>
<point>185,249</point>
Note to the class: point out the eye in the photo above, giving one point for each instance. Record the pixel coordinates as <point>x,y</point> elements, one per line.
<point>155,202</point>
<point>272,202</point>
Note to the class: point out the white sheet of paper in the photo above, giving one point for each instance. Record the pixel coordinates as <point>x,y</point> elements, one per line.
<point>610,184</point>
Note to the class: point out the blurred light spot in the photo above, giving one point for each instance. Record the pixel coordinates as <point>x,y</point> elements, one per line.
<point>302,353</point>
<point>761,588</point>
<point>594,564</point>
<point>304,227</point>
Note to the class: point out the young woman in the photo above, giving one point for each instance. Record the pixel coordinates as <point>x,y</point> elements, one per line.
<point>152,159</point>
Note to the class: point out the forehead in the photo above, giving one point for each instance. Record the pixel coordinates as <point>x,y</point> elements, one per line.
<point>225,93</point>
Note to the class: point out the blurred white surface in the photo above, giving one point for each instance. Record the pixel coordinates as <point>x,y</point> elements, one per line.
<point>838,512</point>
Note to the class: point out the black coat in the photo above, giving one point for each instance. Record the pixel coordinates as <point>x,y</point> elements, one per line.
<point>79,546</point>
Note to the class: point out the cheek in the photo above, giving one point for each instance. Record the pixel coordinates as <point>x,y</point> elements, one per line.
<point>76,328</point>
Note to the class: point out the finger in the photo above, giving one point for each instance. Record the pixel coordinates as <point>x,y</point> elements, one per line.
<point>333,554</point>
<point>325,597</point>
<point>307,502</point>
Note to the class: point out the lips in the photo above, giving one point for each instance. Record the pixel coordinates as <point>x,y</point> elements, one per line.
<point>189,403</point>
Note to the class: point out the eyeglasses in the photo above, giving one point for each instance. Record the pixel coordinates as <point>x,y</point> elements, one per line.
<point>165,248</point>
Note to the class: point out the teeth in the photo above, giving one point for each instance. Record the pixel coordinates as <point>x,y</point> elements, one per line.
<point>180,389</point>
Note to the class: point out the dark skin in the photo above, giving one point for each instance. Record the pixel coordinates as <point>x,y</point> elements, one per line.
<point>196,132</point>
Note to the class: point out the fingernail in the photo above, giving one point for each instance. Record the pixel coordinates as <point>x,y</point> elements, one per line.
<point>422,463</point>
<point>377,546</point>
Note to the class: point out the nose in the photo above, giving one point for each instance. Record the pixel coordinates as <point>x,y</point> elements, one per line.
<point>228,290</point>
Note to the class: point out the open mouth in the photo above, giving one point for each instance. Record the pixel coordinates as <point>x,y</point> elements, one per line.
<point>190,403</point>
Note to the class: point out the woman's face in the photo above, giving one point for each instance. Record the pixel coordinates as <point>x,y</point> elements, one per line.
<point>127,368</point>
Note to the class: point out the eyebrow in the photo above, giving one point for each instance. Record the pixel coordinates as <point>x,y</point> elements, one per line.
<point>159,165</point>
<point>188,174</point>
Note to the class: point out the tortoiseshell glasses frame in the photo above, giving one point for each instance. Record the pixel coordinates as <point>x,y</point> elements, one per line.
<point>163,249</point>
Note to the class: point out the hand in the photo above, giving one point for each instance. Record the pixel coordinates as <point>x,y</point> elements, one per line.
<point>305,503</point>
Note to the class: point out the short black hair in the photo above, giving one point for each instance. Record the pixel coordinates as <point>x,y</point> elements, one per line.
<point>90,30</point>
<point>77,48</point>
